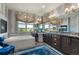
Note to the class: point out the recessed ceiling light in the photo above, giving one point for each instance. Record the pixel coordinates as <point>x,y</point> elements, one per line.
<point>43,6</point>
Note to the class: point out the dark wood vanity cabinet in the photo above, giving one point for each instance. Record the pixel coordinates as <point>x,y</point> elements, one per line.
<point>47,38</point>
<point>70,45</point>
<point>53,40</point>
<point>56,41</point>
<point>65,44</point>
<point>74,46</point>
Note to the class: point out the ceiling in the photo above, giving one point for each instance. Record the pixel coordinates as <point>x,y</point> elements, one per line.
<point>35,8</point>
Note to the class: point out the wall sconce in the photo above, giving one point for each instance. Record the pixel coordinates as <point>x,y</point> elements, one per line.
<point>72,8</point>
<point>66,10</point>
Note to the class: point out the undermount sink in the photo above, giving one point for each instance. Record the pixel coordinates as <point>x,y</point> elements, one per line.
<point>77,34</point>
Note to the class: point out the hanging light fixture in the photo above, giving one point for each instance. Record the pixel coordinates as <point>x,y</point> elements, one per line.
<point>66,10</point>
<point>53,15</point>
<point>38,20</point>
<point>50,16</point>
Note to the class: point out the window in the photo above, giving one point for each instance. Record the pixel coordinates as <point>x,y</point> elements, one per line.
<point>29,27</point>
<point>24,27</point>
<point>46,26</point>
<point>41,26</point>
<point>21,26</point>
<point>53,27</point>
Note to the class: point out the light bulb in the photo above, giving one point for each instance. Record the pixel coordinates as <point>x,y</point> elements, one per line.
<point>72,8</point>
<point>43,6</point>
<point>66,10</point>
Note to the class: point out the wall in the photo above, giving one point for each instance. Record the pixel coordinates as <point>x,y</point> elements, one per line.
<point>3,15</point>
<point>60,10</point>
<point>4,18</point>
<point>73,24</point>
<point>11,22</point>
<point>12,30</point>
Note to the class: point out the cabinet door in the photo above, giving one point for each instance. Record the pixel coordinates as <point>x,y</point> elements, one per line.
<point>75,46</point>
<point>45,38</point>
<point>56,41</point>
<point>65,45</point>
<point>49,39</point>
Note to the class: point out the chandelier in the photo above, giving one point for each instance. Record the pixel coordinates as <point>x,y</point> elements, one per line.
<point>27,17</point>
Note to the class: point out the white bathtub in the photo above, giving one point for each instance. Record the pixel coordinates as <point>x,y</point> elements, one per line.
<point>21,42</point>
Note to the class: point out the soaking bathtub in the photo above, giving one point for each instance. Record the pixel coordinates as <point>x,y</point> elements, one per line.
<point>21,42</point>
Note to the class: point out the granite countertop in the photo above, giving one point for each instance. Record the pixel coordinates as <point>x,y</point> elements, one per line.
<point>71,34</point>
<point>62,33</point>
<point>66,34</point>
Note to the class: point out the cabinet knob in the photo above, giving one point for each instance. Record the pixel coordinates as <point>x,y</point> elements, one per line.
<point>55,44</point>
<point>55,39</point>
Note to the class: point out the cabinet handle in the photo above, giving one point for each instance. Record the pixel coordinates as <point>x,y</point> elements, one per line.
<point>55,39</point>
<point>55,44</point>
<point>53,35</point>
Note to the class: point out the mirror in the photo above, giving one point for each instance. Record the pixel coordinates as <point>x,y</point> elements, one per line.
<point>3,26</point>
